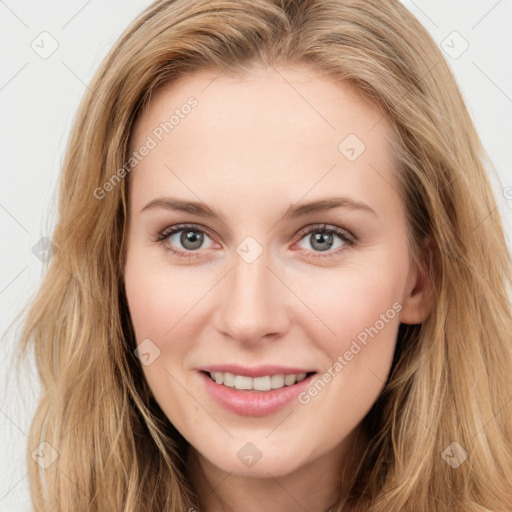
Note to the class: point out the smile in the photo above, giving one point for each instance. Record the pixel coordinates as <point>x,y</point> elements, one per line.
<point>264,383</point>
<point>259,395</point>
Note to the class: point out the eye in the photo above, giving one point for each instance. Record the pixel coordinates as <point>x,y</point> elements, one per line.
<point>187,240</point>
<point>184,239</point>
<point>324,238</point>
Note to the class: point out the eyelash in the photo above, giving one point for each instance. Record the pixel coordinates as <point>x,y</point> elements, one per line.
<point>348,239</point>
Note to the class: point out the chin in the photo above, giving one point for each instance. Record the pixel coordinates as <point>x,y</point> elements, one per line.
<point>256,459</point>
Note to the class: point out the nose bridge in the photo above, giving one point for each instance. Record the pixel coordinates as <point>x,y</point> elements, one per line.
<point>252,304</point>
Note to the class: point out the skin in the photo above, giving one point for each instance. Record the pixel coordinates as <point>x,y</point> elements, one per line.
<point>250,149</point>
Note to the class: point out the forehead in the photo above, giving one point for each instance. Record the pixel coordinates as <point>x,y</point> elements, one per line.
<point>295,98</point>
<point>273,127</point>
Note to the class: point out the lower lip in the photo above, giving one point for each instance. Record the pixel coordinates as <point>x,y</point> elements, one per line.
<point>254,403</point>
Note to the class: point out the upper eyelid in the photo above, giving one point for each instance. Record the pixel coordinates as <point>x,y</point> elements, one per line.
<point>182,227</point>
<point>324,227</point>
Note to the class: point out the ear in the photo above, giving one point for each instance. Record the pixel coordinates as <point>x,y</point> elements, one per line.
<point>419,297</point>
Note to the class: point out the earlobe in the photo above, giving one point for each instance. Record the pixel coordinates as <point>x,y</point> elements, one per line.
<point>419,298</point>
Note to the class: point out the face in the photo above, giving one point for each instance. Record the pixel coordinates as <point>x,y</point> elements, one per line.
<point>266,238</point>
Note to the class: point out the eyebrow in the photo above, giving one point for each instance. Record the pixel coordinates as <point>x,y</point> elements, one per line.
<point>293,211</point>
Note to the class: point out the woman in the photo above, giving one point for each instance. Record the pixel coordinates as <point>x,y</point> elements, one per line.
<point>281,278</point>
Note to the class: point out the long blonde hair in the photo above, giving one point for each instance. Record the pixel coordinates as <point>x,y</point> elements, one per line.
<point>451,376</point>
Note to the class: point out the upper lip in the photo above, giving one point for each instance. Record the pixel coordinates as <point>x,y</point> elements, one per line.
<point>255,371</point>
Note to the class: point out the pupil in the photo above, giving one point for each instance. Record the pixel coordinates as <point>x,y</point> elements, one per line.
<point>191,239</point>
<point>324,240</point>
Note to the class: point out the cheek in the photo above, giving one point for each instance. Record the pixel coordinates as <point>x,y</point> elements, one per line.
<point>159,298</point>
<point>357,359</point>
<point>360,315</point>
<point>349,303</point>
<point>161,306</point>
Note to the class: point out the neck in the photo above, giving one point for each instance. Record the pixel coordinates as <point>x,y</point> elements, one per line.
<point>316,486</point>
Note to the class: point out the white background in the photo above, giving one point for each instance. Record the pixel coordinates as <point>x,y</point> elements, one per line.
<point>39,98</point>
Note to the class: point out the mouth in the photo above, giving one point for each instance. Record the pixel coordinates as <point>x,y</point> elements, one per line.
<point>264,393</point>
<point>263,383</point>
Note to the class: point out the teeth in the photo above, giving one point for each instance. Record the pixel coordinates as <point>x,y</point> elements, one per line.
<point>277,381</point>
<point>289,379</point>
<point>242,382</point>
<point>229,379</point>
<point>265,383</point>
<point>262,383</point>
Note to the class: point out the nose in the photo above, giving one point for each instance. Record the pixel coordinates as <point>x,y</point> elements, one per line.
<point>252,302</point>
